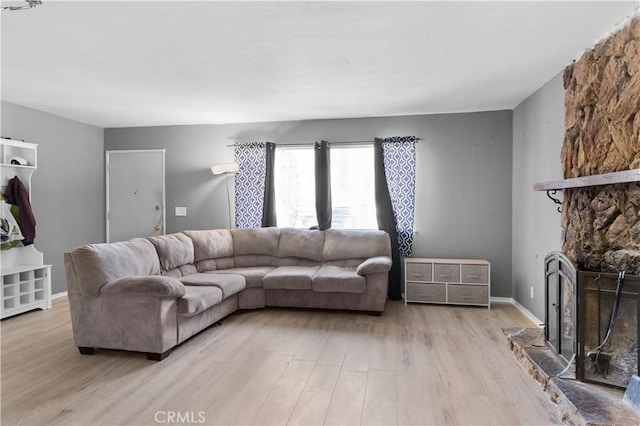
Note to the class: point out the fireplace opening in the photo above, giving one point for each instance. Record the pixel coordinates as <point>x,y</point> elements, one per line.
<point>608,333</point>
<point>592,318</point>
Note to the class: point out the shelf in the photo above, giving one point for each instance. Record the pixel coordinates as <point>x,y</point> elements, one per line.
<point>626,176</point>
<point>18,166</point>
<point>10,148</point>
<point>23,268</point>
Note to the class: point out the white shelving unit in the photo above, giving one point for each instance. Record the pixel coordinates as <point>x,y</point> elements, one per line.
<point>25,281</point>
<point>447,281</point>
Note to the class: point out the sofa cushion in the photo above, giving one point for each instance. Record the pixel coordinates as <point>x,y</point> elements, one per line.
<point>301,243</point>
<point>252,275</point>
<point>336,279</point>
<point>352,244</point>
<point>97,264</point>
<point>197,299</point>
<point>228,283</point>
<point>215,264</point>
<point>174,250</point>
<point>211,244</point>
<point>181,271</point>
<point>255,241</point>
<point>290,277</point>
<point>250,260</point>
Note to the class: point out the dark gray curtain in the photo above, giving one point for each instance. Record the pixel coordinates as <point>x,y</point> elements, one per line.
<point>269,205</point>
<point>323,185</point>
<point>386,219</point>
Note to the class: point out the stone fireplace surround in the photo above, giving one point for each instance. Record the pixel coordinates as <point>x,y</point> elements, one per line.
<point>602,135</point>
<point>600,221</point>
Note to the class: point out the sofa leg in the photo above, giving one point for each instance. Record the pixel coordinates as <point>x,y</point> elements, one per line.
<point>374,313</point>
<point>158,357</point>
<point>85,350</point>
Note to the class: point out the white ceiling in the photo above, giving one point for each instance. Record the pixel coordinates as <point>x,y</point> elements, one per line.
<point>120,64</point>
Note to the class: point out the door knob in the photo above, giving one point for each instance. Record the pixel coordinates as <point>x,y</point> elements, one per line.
<point>157,227</point>
<point>157,207</point>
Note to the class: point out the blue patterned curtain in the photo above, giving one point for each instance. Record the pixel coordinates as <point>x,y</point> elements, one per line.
<point>400,168</point>
<point>250,183</point>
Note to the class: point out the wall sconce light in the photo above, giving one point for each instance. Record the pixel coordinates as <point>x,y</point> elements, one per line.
<point>228,169</point>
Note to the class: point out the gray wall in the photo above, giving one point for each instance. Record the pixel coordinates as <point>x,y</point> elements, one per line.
<point>463,188</point>
<point>68,187</point>
<point>538,131</point>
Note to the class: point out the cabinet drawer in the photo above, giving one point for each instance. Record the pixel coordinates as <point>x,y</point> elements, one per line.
<point>446,273</point>
<point>475,274</point>
<point>473,294</point>
<point>426,293</point>
<point>418,272</point>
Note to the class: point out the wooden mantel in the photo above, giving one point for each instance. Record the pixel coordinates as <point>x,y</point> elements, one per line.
<point>625,176</point>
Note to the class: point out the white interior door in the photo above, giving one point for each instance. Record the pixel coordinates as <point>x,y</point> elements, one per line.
<point>135,194</point>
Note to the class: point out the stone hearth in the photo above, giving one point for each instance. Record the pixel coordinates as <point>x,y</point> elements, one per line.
<point>578,403</point>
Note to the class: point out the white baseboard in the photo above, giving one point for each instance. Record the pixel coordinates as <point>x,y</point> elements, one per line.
<point>59,295</point>
<point>507,300</point>
<point>525,311</point>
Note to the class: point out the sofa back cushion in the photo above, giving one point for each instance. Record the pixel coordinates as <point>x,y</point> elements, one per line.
<point>255,241</point>
<point>340,244</point>
<point>211,244</point>
<point>174,251</point>
<point>301,243</point>
<point>98,264</point>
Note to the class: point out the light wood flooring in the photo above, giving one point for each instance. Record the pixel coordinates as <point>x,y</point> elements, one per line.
<point>416,364</point>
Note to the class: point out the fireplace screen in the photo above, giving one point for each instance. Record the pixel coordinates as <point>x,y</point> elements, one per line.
<point>561,305</point>
<point>608,333</point>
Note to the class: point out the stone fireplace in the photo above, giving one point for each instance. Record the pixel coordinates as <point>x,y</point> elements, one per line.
<point>593,286</point>
<point>602,135</point>
<point>601,222</point>
<point>600,214</point>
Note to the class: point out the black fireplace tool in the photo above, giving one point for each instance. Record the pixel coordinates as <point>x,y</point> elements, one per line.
<point>601,360</point>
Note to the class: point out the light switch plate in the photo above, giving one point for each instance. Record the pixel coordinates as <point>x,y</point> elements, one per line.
<point>181,211</point>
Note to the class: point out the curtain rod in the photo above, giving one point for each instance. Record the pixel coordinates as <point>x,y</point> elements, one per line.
<point>330,142</point>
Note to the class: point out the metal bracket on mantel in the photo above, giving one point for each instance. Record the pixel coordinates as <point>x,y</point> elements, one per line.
<point>625,176</point>
<point>550,194</point>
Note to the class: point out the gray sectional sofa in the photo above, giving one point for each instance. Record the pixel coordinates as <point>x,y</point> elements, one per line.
<point>151,294</point>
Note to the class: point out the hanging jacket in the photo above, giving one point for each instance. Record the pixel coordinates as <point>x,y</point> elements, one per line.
<point>17,195</point>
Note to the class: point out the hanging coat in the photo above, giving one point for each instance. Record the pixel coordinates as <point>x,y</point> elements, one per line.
<point>17,195</point>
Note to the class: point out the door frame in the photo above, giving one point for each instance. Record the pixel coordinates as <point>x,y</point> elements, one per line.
<point>107,178</point>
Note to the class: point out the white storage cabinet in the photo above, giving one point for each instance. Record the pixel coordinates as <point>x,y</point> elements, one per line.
<point>447,281</point>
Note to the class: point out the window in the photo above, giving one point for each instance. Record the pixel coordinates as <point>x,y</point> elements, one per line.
<point>295,187</point>
<point>353,187</point>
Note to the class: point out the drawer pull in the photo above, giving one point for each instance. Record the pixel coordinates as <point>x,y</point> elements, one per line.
<point>473,275</point>
<point>417,275</point>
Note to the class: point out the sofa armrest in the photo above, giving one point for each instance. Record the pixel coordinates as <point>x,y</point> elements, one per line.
<point>151,285</point>
<point>374,264</point>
